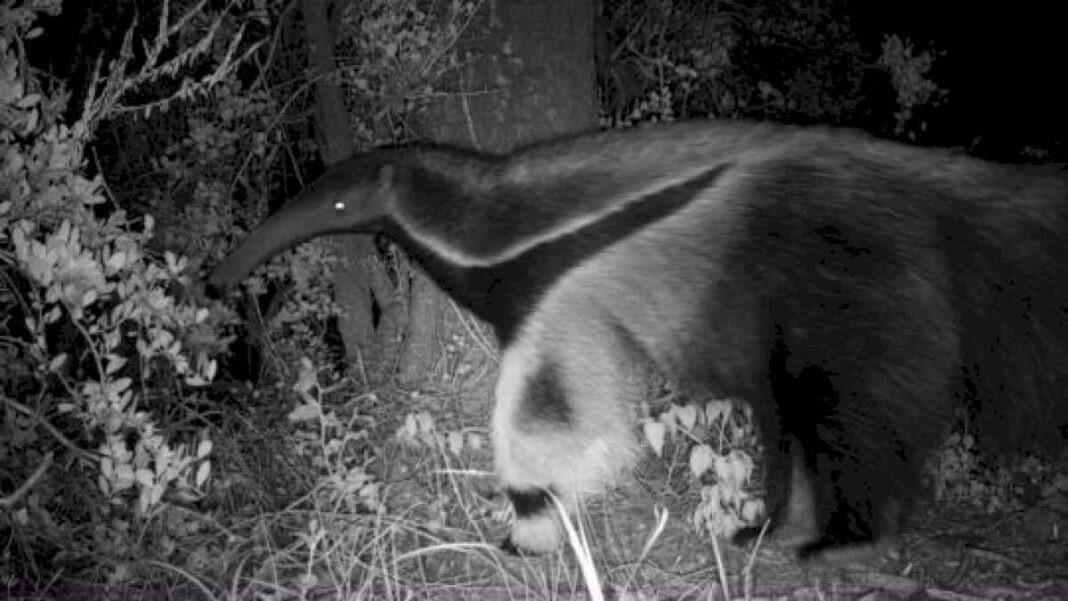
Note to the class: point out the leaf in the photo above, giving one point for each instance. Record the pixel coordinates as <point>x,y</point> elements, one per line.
<point>57,362</point>
<point>119,385</point>
<point>304,412</point>
<point>203,449</point>
<point>687,415</point>
<point>145,477</point>
<point>474,441</point>
<point>670,421</point>
<point>107,468</point>
<point>156,494</point>
<point>116,262</point>
<point>701,458</point>
<point>654,433</point>
<point>716,411</point>
<point>163,459</point>
<point>406,432</point>
<point>307,379</point>
<point>424,422</point>
<point>28,100</point>
<point>31,122</point>
<point>115,363</point>
<point>88,298</point>
<point>751,510</point>
<point>455,442</point>
<point>202,473</point>
<point>734,469</point>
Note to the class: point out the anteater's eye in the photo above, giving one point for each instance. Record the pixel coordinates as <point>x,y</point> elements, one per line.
<point>339,205</point>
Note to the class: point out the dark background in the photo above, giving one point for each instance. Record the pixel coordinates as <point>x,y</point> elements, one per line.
<point>1002,64</point>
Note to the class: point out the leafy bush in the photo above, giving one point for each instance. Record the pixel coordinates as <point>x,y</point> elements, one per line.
<point>796,62</point>
<point>718,440</point>
<point>98,327</point>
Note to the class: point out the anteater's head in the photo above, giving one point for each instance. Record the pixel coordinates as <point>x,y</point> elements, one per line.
<point>352,196</point>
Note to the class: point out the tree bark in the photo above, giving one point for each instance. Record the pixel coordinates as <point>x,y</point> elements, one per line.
<point>533,77</point>
<point>356,281</point>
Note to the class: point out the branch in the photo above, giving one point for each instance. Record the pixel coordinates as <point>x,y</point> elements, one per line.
<point>79,452</point>
<point>9,501</point>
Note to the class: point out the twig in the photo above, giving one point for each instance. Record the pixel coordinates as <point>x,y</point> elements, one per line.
<point>47,425</point>
<point>991,555</point>
<point>477,336</point>
<point>747,572</point>
<point>470,122</point>
<point>9,501</point>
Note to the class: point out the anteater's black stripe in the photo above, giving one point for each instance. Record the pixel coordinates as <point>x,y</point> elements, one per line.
<point>504,294</point>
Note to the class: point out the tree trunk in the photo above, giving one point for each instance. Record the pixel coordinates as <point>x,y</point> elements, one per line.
<point>533,78</point>
<point>358,276</point>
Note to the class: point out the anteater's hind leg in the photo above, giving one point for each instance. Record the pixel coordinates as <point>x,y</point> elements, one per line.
<point>860,394</point>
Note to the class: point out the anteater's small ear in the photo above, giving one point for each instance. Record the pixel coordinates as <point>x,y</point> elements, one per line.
<point>385,177</point>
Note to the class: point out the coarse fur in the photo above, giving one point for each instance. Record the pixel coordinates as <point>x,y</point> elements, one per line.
<point>854,291</point>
